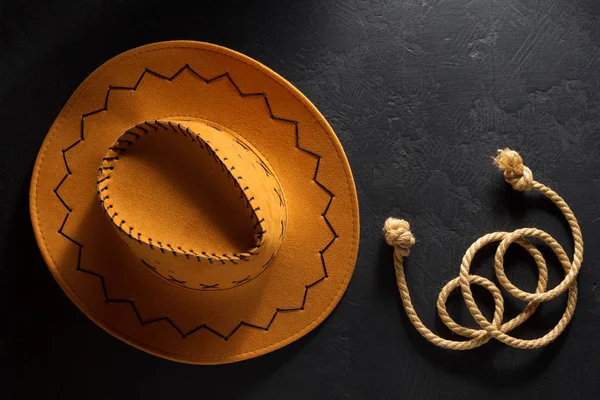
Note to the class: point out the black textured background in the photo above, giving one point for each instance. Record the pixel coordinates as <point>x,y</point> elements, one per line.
<point>421,93</point>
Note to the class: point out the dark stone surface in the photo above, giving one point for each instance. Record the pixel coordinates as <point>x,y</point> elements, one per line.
<point>421,93</point>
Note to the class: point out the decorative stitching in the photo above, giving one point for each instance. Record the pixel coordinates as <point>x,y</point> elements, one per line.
<point>241,256</point>
<point>150,125</point>
<point>241,281</point>
<point>172,250</point>
<point>209,258</point>
<point>148,265</point>
<point>267,170</point>
<point>269,262</point>
<point>203,286</point>
<point>185,253</point>
<point>187,132</point>
<point>160,124</point>
<point>139,126</point>
<point>219,258</point>
<point>130,132</point>
<point>172,279</point>
<point>197,255</point>
<point>280,197</point>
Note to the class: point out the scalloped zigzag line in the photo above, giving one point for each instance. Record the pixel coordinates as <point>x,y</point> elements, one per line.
<point>131,303</point>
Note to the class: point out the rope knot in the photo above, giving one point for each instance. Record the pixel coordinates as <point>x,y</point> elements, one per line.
<point>515,173</point>
<point>397,233</point>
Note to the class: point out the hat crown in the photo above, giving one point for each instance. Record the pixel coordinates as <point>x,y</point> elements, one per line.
<point>194,202</point>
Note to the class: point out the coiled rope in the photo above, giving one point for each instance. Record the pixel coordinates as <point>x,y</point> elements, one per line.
<point>398,234</point>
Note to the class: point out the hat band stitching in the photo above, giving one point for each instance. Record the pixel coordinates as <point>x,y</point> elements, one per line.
<point>131,302</point>
<point>259,231</point>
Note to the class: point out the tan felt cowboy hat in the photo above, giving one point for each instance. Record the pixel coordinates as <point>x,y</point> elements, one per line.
<point>196,205</point>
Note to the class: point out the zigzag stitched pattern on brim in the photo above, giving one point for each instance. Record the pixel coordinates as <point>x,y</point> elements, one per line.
<point>131,302</point>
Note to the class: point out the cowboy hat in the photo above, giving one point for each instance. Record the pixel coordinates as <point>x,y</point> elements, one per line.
<point>194,204</point>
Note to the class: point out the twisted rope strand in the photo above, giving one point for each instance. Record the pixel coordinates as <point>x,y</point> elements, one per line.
<point>397,234</point>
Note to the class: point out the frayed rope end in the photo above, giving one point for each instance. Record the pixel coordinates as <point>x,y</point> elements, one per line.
<point>397,233</point>
<point>515,173</point>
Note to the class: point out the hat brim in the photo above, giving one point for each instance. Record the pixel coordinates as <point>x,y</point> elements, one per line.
<point>314,265</point>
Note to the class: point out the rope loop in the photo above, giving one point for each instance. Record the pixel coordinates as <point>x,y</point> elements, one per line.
<point>397,234</point>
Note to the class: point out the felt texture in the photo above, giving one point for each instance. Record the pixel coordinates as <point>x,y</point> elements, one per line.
<point>180,81</point>
<point>199,207</point>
